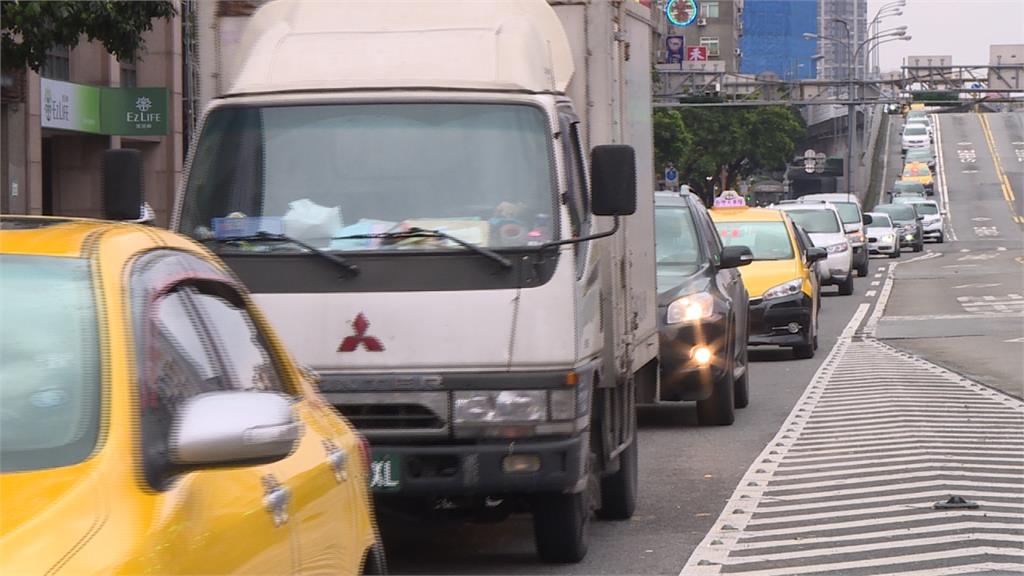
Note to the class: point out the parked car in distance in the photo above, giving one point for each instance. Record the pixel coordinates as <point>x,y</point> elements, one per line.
<point>782,282</point>
<point>934,222</point>
<point>703,310</point>
<point>919,172</point>
<point>907,188</point>
<point>883,235</point>
<point>152,422</point>
<point>824,226</point>
<point>908,221</point>
<point>849,208</point>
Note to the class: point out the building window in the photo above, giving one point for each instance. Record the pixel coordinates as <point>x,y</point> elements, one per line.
<point>128,77</point>
<point>711,43</point>
<point>57,65</point>
<point>709,10</point>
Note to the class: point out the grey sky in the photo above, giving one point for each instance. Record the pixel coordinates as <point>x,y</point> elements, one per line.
<point>962,28</point>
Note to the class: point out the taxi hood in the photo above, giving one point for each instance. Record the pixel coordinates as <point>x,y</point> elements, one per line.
<point>760,275</point>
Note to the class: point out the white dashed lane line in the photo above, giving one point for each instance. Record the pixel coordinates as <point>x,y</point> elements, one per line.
<point>849,483</point>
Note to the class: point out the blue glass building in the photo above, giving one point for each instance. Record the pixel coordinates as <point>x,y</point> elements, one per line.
<point>772,38</point>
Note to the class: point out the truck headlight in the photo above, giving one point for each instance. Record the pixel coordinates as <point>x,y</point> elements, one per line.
<point>690,308</point>
<point>838,248</point>
<point>785,289</point>
<point>484,406</point>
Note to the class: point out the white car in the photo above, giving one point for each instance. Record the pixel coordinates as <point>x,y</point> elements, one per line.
<point>915,136</point>
<point>934,218</point>
<point>921,121</point>
<point>825,227</point>
<point>883,236</point>
<point>850,212</point>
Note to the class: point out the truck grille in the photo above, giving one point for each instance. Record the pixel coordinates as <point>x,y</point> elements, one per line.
<point>392,416</point>
<point>399,414</point>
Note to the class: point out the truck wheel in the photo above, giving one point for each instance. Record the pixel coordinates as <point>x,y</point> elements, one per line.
<point>560,524</point>
<point>618,490</point>
<point>846,288</point>
<point>719,408</point>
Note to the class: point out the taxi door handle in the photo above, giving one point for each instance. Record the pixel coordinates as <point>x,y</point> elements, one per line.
<point>276,497</point>
<point>338,459</point>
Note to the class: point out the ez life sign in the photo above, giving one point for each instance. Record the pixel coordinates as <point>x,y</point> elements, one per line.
<point>103,109</point>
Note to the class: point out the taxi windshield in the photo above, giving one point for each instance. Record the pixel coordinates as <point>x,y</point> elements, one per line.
<point>49,362</point>
<point>337,176</point>
<point>675,237</point>
<point>767,240</point>
<point>815,221</point>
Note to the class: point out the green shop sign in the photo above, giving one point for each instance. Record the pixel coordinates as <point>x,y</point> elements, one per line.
<point>103,110</point>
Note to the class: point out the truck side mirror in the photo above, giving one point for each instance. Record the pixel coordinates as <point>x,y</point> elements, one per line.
<point>613,180</point>
<point>122,184</point>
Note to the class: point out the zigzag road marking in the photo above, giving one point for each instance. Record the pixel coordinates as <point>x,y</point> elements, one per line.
<point>848,484</point>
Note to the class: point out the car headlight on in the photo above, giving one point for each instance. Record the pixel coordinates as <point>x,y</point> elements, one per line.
<point>485,406</point>
<point>889,238</point>
<point>857,236</point>
<point>785,289</point>
<point>690,308</point>
<point>838,248</point>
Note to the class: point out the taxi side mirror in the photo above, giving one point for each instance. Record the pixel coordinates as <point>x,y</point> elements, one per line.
<point>815,254</point>
<point>735,256</point>
<point>232,428</point>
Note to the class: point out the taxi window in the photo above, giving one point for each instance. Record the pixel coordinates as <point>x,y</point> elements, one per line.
<point>676,240</point>
<point>49,362</point>
<point>767,240</point>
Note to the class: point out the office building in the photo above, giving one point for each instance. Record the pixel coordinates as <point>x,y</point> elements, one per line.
<point>845,21</point>
<point>773,40</point>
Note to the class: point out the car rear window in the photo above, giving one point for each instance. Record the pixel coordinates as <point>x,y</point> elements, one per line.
<point>676,241</point>
<point>898,211</point>
<point>915,130</point>
<point>880,221</point>
<point>848,212</point>
<point>49,362</point>
<point>767,240</point>
<point>815,221</point>
<point>924,208</point>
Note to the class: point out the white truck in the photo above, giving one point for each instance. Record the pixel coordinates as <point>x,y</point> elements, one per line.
<point>404,186</point>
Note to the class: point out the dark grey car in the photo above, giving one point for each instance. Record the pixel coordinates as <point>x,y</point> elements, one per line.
<point>909,222</point>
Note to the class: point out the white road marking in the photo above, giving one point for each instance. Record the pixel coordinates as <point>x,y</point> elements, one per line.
<point>986,231</point>
<point>1015,340</point>
<point>965,249</point>
<point>993,285</point>
<point>848,483</point>
<point>881,268</point>
<point>876,282</point>
<point>963,143</point>
<point>952,317</point>
<point>960,266</point>
<point>941,184</point>
<point>879,275</point>
<point>870,293</point>
<point>980,219</point>
<point>990,303</point>
<point>1001,249</point>
<point>982,256</point>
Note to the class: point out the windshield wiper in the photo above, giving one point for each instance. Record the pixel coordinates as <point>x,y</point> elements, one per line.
<point>425,233</point>
<point>269,237</point>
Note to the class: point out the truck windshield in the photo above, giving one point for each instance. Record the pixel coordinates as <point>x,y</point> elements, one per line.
<point>321,173</point>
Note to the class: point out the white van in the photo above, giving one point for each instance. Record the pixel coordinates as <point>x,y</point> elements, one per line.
<point>852,215</point>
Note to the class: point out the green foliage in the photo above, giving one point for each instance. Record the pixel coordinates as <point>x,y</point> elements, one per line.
<point>729,142</point>
<point>30,28</point>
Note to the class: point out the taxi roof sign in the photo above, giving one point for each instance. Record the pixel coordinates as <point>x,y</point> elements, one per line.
<point>729,199</point>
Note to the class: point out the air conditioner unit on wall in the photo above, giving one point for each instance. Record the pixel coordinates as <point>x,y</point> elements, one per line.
<point>702,21</point>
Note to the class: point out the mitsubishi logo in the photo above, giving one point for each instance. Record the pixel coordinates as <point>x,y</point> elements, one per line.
<point>351,343</point>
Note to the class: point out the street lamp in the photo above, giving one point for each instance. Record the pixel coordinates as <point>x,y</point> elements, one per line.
<point>897,33</point>
<point>885,11</point>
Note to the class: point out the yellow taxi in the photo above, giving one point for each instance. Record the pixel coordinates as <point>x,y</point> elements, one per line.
<point>920,173</point>
<point>782,280</point>
<point>151,421</point>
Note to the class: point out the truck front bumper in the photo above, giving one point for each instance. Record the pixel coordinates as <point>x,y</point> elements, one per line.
<point>479,469</point>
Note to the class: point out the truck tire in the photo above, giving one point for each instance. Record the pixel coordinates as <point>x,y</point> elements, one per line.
<point>846,288</point>
<point>560,527</point>
<point>720,408</point>
<point>618,490</point>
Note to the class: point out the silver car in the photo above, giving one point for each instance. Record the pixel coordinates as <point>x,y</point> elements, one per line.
<point>883,235</point>
<point>825,227</point>
<point>934,222</point>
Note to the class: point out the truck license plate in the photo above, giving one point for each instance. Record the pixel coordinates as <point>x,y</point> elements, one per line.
<point>385,473</point>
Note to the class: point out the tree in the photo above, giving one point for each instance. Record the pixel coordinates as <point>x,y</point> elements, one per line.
<point>31,28</point>
<point>726,144</point>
